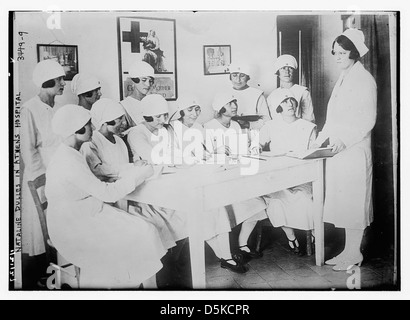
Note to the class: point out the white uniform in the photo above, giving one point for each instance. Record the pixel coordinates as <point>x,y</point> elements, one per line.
<point>142,143</point>
<point>113,248</point>
<point>38,143</point>
<point>304,109</point>
<point>292,207</point>
<point>108,162</point>
<point>351,116</point>
<point>251,101</point>
<point>216,221</point>
<point>106,159</point>
<point>250,210</point>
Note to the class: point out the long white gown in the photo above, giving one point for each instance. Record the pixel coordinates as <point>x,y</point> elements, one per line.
<point>38,143</point>
<point>351,117</point>
<point>292,207</point>
<point>113,248</point>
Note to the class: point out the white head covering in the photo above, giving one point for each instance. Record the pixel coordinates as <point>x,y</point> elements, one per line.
<point>240,68</point>
<point>153,105</point>
<point>46,70</point>
<point>357,37</point>
<point>82,83</point>
<point>285,60</point>
<point>105,110</point>
<point>183,102</point>
<point>68,119</point>
<point>281,94</point>
<point>140,69</point>
<point>221,99</point>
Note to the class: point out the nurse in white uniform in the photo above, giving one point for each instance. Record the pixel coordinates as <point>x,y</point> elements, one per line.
<point>291,208</point>
<point>218,139</point>
<point>87,88</point>
<point>216,224</point>
<point>351,116</point>
<point>107,154</point>
<point>113,248</point>
<point>107,157</point>
<point>38,143</point>
<point>250,101</point>
<point>151,141</point>
<point>285,66</point>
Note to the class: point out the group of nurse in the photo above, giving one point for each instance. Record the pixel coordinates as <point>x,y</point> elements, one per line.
<point>96,152</point>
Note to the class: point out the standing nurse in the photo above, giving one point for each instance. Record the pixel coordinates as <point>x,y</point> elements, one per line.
<point>351,116</point>
<point>285,67</point>
<point>38,143</point>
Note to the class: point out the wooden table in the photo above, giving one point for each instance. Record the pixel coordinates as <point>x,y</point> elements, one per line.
<point>203,187</point>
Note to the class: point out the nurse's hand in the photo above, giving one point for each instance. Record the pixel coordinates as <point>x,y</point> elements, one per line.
<point>147,171</point>
<point>140,163</point>
<point>336,144</point>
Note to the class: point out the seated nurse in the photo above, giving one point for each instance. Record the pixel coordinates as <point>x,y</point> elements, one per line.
<point>291,208</point>
<point>144,139</point>
<point>112,248</point>
<point>216,224</point>
<point>218,133</point>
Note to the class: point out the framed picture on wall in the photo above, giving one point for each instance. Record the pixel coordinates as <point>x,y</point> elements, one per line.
<point>152,40</point>
<point>217,58</point>
<point>66,55</point>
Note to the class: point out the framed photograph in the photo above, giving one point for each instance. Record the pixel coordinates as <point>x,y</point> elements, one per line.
<point>217,58</point>
<point>66,55</point>
<point>152,40</point>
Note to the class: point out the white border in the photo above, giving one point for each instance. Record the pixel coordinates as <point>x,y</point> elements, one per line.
<point>211,5</point>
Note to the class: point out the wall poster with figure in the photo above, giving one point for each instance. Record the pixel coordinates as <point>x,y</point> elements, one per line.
<point>152,40</point>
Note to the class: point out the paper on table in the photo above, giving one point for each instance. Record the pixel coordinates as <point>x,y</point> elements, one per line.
<point>312,153</point>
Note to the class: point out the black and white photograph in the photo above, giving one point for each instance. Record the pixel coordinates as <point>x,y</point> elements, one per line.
<point>133,167</point>
<point>217,59</point>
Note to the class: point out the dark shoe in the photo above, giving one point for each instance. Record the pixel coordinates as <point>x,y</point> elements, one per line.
<point>294,246</point>
<point>250,255</point>
<point>238,268</point>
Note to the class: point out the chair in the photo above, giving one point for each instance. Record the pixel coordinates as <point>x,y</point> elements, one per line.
<point>52,255</point>
<point>267,223</point>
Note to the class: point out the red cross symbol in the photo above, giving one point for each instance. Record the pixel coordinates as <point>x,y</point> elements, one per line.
<point>134,36</point>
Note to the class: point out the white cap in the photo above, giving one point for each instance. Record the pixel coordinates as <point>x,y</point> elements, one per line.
<point>46,70</point>
<point>69,119</point>
<point>221,99</point>
<point>153,105</point>
<point>183,102</point>
<point>240,68</point>
<point>280,95</point>
<point>105,110</point>
<point>82,83</point>
<point>357,37</point>
<point>285,60</point>
<point>140,69</point>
